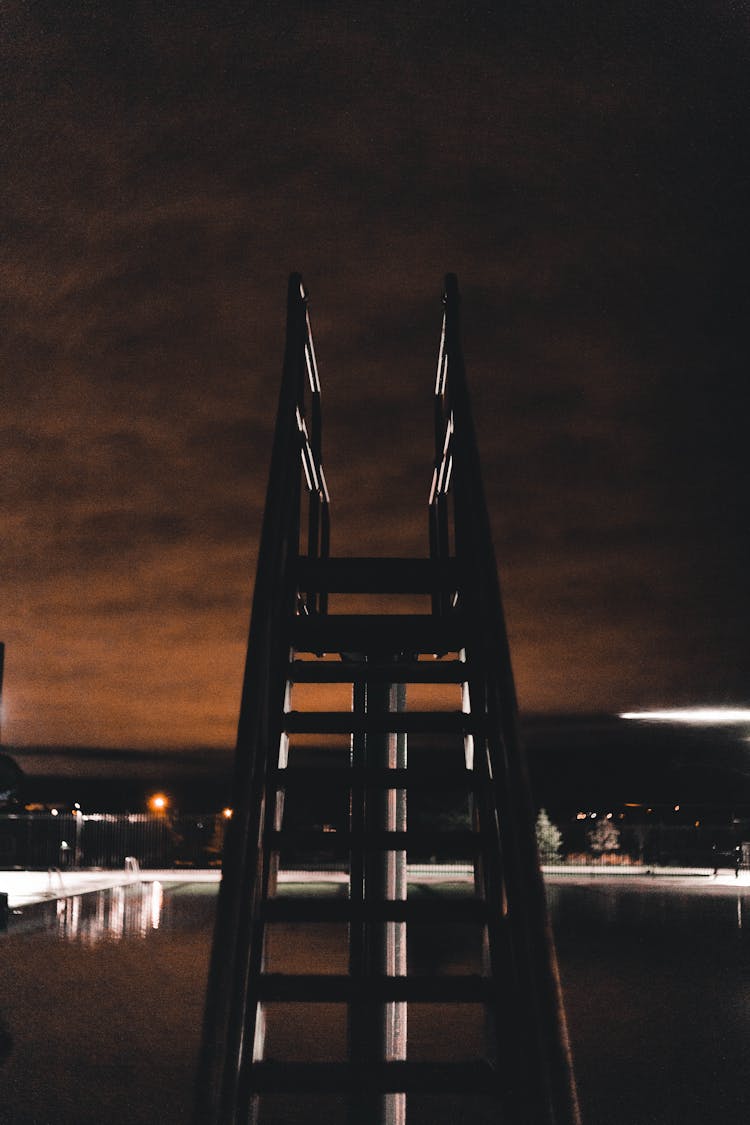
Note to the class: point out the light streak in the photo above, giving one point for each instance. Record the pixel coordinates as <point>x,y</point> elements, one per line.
<point>695,716</point>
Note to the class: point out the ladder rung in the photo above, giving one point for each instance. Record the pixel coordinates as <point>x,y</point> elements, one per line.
<point>394,633</point>
<point>457,844</point>
<point>327,987</point>
<point>394,722</point>
<point>376,576</point>
<point>350,672</point>
<point>311,908</point>
<point>326,778</point>
<point>473,1076</point>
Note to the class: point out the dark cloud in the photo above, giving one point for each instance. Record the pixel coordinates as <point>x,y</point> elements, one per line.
<point>585,174</point>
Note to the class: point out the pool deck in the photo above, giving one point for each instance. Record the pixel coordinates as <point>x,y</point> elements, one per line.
<point>26,887</point>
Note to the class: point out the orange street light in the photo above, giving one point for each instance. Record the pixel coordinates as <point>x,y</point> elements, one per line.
<point>158,803</point>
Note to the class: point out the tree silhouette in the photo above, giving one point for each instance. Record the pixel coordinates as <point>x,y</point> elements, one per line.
<point>604,837</point>
<point>548,838</point>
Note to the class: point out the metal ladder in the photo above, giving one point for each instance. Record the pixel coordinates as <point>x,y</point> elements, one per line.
<point>315,785</point>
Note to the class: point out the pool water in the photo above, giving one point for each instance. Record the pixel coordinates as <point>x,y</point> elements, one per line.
<point>657,988</point>
<point>102,999</point>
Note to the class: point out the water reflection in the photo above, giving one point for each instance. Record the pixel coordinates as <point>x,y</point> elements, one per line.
<point>657,996</point>
<point>699,914</point>
<point>110,915</point>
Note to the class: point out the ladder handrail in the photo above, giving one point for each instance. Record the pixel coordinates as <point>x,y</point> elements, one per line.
<point>229,1020</point>
<point>458,469</point>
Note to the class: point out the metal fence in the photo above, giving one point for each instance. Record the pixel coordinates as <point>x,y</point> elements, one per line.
<point>40,841</point>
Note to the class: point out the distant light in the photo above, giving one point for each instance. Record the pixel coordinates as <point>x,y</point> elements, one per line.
<point>609,816</point>
<point>76,805</point>
<point>696,716</point>
<point>53,811</point>
<point>581,816</point>
<point>227,814</point>
<point>592,815</point>
<point>677,808</point>
<point>158,802</point>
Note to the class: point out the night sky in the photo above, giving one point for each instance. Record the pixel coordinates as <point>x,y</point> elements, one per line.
<point>581,167</point>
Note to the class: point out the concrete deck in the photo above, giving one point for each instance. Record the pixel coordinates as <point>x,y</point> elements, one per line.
<point>26,887</point>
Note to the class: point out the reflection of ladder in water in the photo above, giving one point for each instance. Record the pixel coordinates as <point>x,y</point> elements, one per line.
<point>356,776</point>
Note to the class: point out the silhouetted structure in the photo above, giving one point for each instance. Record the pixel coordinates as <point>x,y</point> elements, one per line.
<point>471,750</point>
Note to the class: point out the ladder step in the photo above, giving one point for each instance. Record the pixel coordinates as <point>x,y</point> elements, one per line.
<point>351,672</point>
<point>412,778</point>
<point>394,633</point>
<point>458,844</point>
<point>376,575</point>
<point>330,988</point>
<point>474,1076</point>
<point>311,908</point>
<point>394,722</point>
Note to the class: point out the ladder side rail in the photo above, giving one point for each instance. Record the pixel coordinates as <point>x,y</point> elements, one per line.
<point>325,546</point>
<point>318,529</point>
<point>535,949</point>
<point>505,882</point>
<point>500,953</point>
<point>522,872</point>
<point>439,521</point>
<point>228,1029</point>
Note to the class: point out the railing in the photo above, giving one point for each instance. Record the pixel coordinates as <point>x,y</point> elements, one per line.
<point>510,853</point>
<point>318,522</point>
<point>440,523</point>
<point>113,841</point>
<point>237,949</point>
<point>140,842</point>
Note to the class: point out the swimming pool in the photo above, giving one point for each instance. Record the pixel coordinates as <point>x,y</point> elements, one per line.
<point>103,996</point>
<point>657,986</point>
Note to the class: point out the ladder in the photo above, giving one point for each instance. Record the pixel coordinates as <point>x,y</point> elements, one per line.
<point>324,776</point>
